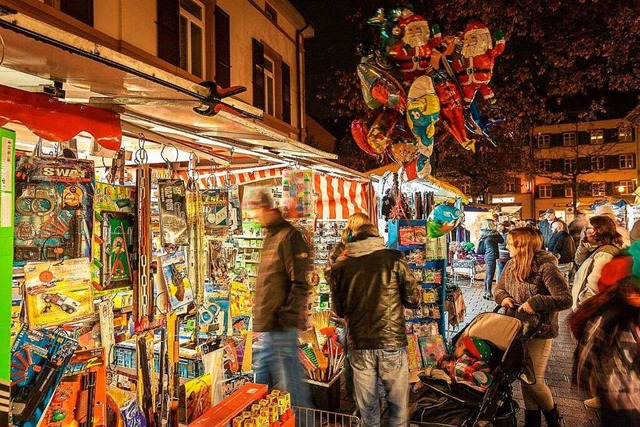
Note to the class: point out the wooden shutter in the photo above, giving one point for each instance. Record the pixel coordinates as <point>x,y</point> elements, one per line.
<point>286,93</point>
<point>223,48</point>
<point>258,74</point>
<point>82,10</point>
<point>169,31</point>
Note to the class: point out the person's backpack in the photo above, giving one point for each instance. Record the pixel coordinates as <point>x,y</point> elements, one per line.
<point>482,247</point>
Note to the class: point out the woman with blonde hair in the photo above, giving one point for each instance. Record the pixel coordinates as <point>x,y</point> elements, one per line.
<point>353,223</point>
<point>533,289</point>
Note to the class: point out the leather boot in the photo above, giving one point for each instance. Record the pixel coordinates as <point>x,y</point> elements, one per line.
<point>553,417</point>
<point>532,418</point>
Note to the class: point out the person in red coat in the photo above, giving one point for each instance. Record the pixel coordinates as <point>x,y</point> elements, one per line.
<point>474,65</point>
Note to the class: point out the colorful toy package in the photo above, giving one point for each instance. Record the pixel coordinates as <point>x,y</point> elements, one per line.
<point>297,194</point>
<point>214,312</point>
<point>57,293</point>
<point>123,409</point>
<point>176,278</point>
<point>173,212</point>
<point>214,206</point>
<point>195,398</point>
<point>38,361</point>
<point>113,231</point>
<point>53,209</point>
<point>81,397</point>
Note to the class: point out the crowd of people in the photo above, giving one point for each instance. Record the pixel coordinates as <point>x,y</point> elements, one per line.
<point>542,270</point>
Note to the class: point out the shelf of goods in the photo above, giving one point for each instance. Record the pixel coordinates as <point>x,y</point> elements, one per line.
<point>427,259</point>
<point>328,233</point>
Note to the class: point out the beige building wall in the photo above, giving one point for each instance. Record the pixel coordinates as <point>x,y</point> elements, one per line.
<point>132,21</point>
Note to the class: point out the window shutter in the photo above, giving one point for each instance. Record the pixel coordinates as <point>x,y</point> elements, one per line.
<point>556,140</point>
<point>584,138</point>
<point>223,48</point>
<point>610,135</point>
<point>286,93</point>
<point>169,31</point>
<point>82,10</point>
<point>258,74</point>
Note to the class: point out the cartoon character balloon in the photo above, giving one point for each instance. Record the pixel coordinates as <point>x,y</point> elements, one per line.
<point>442,219</point>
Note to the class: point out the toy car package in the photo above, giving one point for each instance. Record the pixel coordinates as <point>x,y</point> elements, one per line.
<point>38,361</point>
<point>113,236</point>
<point>173,212</point>
<point>81,397</point>
<point>53,208</point>
<point>57,292</point>
<point>176,278</point>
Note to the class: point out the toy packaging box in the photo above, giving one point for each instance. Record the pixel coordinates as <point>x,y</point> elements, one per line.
<point>214,206</point>
<point>176,278</point>
<point>81,397</point>
<point>38,361</point>
<point>173,212</point>
<point>57,293</point>
<point>214,312</point>
<point>53,208</point>
<point>195,398</point>
<point>297,194</point>
<point>113,242</point>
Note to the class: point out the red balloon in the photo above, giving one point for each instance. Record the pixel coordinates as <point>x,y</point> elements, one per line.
<point>359,131</point>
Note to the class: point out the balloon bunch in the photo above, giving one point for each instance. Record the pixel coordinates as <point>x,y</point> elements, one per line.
<point>444,218</point>
<point>417,77</point>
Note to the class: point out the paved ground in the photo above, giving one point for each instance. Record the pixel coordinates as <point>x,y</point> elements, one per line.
<point>558,376</point>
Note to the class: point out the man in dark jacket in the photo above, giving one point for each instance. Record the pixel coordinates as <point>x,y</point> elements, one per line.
<point>562,247</point>
<point>545,225</point>
<point>280,300</point>
<point>370,286</point>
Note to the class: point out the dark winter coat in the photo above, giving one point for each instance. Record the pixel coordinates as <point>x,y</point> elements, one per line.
<point>280,292</point>
<point>491,240</point>
<point>546,289</point>
<point>561,243</point>
<point>370,285</point>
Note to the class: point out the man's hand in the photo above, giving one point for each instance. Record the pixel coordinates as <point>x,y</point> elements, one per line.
<point>508,302</point>
<point>526,308</point>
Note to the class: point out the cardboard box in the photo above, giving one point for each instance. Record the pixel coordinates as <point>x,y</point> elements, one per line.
<point>222,414</point>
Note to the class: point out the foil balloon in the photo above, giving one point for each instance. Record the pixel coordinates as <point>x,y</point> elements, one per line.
<point>418,168</point>
<point>402,152</point>
<point>382,128</point>
<point>422,113</point>
<point>379,86</point>
<point>359,132</point>
<point>442,219</point>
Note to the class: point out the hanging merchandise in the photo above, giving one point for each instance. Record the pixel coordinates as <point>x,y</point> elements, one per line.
<point>113,236</point>
<point>173,213</point>
<point>143,309</point>
<point>175,275</point>
<point>196,398</point>
<point>53,209</point>
<point>442,219</point>
<point>297,194</point>
<point>214,206</point>
<point>56,294</point>
<point>38,361</point>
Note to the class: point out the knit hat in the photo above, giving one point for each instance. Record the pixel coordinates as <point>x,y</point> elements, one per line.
<point>476,347</point>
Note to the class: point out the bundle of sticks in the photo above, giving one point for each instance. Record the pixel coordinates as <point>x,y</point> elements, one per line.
<point>321,364</point>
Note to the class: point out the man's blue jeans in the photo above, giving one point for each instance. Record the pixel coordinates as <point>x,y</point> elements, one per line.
<point>392,367</point>
<point>276,363</point>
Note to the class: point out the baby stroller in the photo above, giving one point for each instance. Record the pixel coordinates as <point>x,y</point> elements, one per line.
<point>456,404</point>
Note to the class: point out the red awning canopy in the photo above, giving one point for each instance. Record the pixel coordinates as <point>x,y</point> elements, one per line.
<point>57,121</point>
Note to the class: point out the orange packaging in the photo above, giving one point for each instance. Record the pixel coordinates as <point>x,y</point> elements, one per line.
<point>221,414</point>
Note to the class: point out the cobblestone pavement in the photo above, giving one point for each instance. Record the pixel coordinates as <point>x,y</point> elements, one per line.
<point>558,377</point>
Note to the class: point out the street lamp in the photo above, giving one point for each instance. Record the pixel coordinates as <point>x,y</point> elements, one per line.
<point>621,189</point>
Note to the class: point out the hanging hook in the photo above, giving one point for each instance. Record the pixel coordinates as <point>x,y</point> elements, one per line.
<point>166,159</point>
<point>141,155</point>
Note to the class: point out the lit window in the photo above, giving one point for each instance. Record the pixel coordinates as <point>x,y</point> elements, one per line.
<point>597,163</point>
<point>544,165</point>
<point>597,136</point>
<point>568,191</point>
<point>269,86</point>
<point>627,187</point>
<point>544,191</point>
<point>569,139</point>
<point>598,189</point>
<point>544,141</point>
<point>192,37</point>
<point>625,135</point>
<point>570,165</point>
<point>626,161</point>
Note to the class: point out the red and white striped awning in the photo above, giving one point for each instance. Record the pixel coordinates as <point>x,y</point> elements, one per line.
<point>220,179</point>
<point>339,198</point>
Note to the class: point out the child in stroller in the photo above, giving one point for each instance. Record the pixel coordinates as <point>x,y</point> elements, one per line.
<point>438,402</point>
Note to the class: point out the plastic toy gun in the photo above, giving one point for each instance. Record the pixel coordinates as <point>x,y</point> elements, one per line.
<point>23,411</point>
<point>86,401</point>
<point>147,400</point>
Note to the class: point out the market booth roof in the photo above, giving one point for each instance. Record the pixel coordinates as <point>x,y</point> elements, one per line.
<point>148,99</point>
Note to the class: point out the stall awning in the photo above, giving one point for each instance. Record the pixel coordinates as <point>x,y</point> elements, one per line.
<point>57,121</point>
<point>339,198</point>
<point>220,179</point>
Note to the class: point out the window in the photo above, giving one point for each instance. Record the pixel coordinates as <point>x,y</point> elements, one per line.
<point>223,48</point>
<point>570,165</point>
<point>192,37</point>
<point>544,191</point>
<point>598,188</point>
<point>597,163</point>
<point>568,191</point>
<point>544,165</point>
<point>269,86</point>
<point>510,187</point>
<point>626,161</point>
<point>270,12</point>
<point>625,135</point>
<point>627,187</point>
<point>569,139</point>
<point>597,136</point>
<point>466,188</point>
<point>544,141</point>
